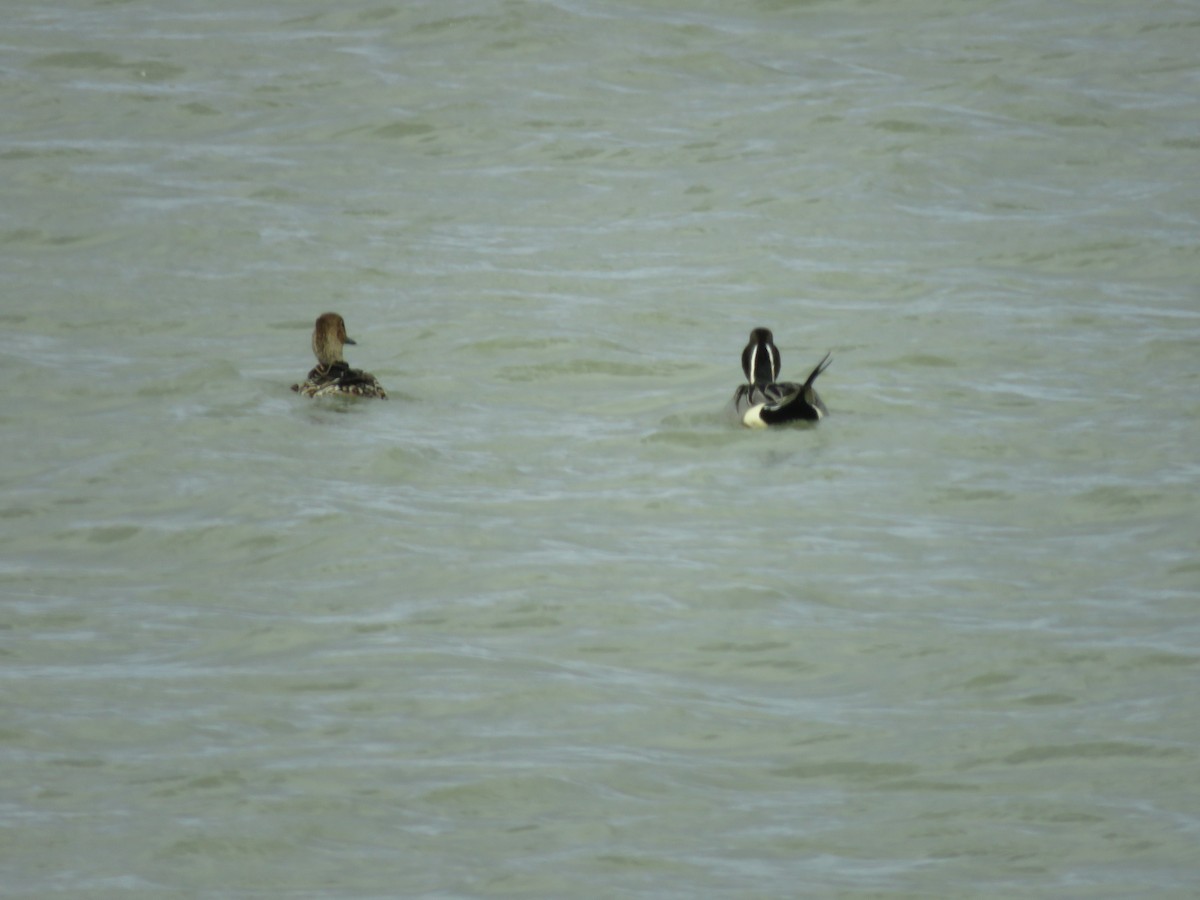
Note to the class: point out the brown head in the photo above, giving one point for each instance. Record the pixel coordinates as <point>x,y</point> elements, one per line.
<point>328,337</point>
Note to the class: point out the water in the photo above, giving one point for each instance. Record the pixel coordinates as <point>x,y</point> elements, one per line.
<point>543,623</point>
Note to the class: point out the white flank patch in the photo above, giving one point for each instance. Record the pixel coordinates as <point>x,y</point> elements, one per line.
<point>753,417</point>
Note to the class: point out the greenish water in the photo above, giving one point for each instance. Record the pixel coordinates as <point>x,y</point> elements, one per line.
<point>544,624</point>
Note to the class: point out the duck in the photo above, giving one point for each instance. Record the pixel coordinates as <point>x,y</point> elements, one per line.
<point>333,376</point>
<point>763,401</point>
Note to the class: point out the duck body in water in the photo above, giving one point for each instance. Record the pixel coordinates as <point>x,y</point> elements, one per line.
<point>763,400</point>
<point>333,376</point>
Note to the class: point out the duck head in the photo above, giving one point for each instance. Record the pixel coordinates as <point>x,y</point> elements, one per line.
<point>328,337</point>
<point>760,359</point>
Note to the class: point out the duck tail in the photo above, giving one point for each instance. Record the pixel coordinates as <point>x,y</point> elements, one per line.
<point>821,367</point>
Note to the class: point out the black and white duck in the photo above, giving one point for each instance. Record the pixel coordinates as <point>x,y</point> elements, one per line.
<point>763,401</point>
